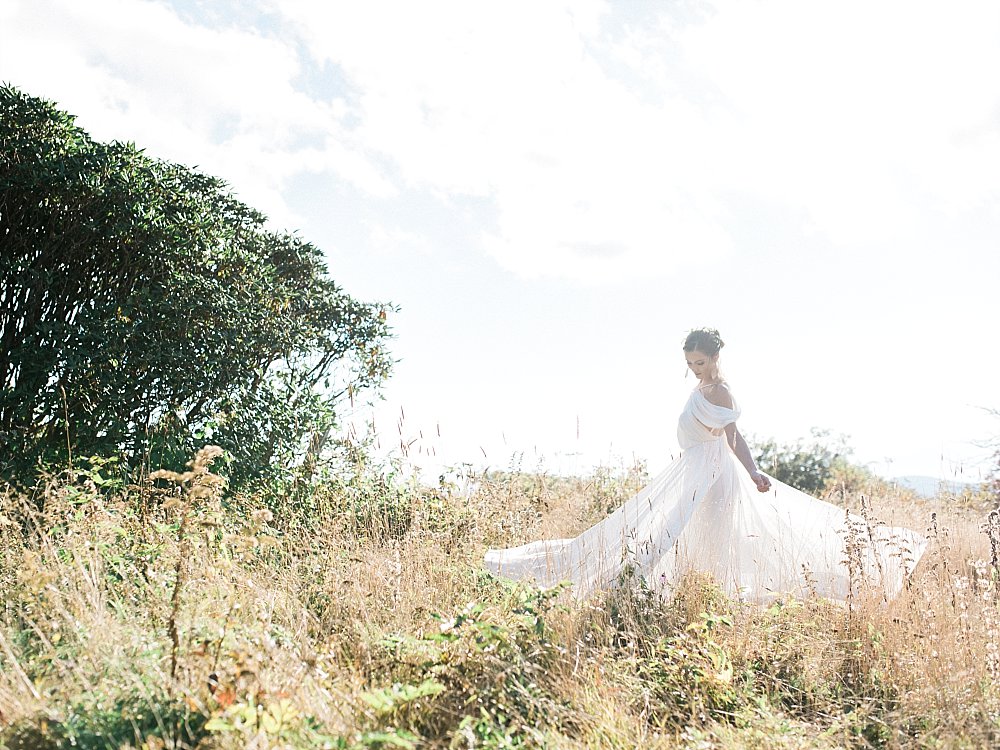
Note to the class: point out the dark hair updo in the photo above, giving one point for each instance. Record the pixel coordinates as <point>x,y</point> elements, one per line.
<point>705,340</point>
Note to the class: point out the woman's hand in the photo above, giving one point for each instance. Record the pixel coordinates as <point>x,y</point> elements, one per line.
<point>762,482</point>
<point>742,451</point>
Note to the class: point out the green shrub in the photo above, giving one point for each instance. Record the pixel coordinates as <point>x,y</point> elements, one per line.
<point>148,311</point>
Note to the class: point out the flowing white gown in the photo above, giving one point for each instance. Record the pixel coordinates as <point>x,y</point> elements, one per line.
<point>703,512</point>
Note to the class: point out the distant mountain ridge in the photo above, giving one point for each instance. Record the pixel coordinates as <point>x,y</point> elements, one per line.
<point>930,486</point>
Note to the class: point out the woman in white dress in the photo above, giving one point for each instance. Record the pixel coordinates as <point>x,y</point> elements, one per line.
<point>714,511</point>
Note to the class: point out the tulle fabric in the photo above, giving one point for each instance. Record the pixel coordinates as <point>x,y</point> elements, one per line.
<point>704,513</point>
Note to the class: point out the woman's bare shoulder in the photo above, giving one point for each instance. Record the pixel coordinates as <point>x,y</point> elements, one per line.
<point>718,394</point>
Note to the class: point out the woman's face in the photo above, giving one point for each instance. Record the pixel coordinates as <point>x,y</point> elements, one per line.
<point>701,364</point>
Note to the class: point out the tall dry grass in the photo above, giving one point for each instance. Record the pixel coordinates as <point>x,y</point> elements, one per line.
<point>355,614</point>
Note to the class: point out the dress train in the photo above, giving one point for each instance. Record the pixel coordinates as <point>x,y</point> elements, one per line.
<point>703,512</point>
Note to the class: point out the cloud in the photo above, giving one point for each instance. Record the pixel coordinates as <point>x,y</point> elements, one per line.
<point>223,99</point>
<point>514,103</point>
<point>588,127</point>
<point>847,109</point>
<point>606,141</point>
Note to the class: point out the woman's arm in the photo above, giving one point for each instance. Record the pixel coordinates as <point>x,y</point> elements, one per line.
<point>742,451</point>
<point>720,396</point>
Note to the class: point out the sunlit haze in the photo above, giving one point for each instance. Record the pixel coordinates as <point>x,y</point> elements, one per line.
<point>554,193</point>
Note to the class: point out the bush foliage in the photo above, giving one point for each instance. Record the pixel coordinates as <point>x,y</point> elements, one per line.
<point>144,308</point>
<point>808,465</point>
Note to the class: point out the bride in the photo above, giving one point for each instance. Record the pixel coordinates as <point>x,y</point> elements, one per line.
<point>712,510</point>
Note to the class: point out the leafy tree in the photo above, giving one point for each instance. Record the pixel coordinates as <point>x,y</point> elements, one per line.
<point>811,466</point>
<point>144,309</point>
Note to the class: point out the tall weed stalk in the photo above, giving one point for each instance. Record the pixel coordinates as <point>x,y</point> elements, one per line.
<point>198,489</point>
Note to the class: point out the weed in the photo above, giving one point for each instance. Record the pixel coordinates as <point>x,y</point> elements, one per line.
<point>351,612</point>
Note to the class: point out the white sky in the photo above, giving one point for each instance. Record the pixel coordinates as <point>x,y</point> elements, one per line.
<point>555,192</point>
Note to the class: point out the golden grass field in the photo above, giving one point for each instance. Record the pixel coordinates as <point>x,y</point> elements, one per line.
<point>353,613</point>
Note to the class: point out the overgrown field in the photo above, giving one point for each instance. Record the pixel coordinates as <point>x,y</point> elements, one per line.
<point>352,613</point>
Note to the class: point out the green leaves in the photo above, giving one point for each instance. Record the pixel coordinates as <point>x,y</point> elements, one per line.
<point>143,306</point>
<point>388,700</point>
<point>808,467</point>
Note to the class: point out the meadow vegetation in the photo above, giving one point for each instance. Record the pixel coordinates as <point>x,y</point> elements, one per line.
<point>352,612</point>
<point>146,311</point>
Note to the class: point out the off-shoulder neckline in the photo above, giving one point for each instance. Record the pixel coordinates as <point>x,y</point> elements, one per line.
<point>723,383</point>
<point>717,406</point>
